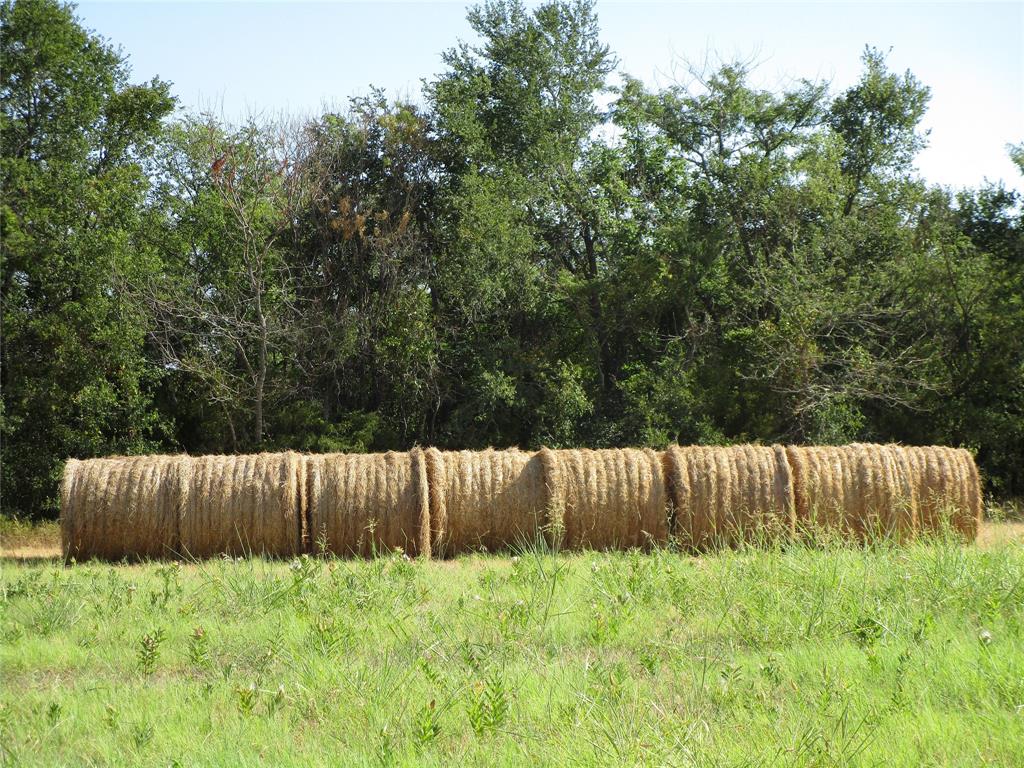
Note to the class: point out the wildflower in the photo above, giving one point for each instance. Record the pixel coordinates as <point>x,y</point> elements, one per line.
<point>985,637</point>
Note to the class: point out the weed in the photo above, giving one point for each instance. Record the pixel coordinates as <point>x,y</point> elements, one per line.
<point>149,650</point>
<point>199,648</point>
<point>142,733</point>
<point>488,705</point>
<point>426,725</point>
<point>246,698</point>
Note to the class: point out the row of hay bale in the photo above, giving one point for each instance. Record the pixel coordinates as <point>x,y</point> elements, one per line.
<point>436,503</point>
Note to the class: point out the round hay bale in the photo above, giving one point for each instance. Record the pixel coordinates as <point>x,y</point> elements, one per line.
<point>724,495</point>
<point>122,507</point>
<point>611,498</point>
<point>949,490</point>
<point>866,489</point>
<point>491,500</point>
<point>361,504</point>
<point>885,492</point>
<point>240,505</point>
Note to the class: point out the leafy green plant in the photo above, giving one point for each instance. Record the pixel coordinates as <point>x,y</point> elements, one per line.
<point>148,650</point>
<point>426,725</point>
<point>199,648</point>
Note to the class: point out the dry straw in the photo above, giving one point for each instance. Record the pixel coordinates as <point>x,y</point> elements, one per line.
<point>243,505</point>
<point>123,506</point>
<point>360,504</point>
<point>723,495</point>
<point>486,500</point>
<point>607,499</point>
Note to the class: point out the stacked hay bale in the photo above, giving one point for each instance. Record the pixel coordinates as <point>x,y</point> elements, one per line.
<point>607,499</point>
<point>722,496</point>
<point>486,500</point>
<point>359,504</point>
<point>123,506</point>
<point>863,490</point>
<point>242,505</point>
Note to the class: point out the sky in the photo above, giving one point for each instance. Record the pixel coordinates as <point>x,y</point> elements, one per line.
<point>245,58</point>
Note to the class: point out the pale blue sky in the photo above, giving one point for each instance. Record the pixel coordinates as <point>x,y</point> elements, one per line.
<point>254,57</point>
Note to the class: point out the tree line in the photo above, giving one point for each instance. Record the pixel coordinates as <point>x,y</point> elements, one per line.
<point>539,250</point>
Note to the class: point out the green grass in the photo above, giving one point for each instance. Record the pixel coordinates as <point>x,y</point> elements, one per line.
<point>838,657</point>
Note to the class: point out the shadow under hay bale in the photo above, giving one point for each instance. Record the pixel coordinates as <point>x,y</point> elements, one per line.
<point>360,504</point>
<point>240,505</point>
<point>722,496</point>
<point>485,500</point>
<point>123,507</point>
<point>610,498</point>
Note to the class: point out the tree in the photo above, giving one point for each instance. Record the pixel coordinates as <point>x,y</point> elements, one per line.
<point>75,136</point>
<point>223,306</point>
<point>360,202</point>
<point>516,281</point>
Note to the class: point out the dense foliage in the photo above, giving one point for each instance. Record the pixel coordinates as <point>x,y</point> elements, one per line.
<point>541,251</point>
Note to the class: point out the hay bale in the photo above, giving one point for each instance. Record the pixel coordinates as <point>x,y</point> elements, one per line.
<point>612,498</point>
<point>724,495</point>
<point>486,500</point>
<point>365,503</point>
<point>243,505</point>
<point>123,507</point>
<point>949,490</point>
<point>865,489</point>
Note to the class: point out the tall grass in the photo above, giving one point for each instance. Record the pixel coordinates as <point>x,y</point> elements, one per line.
<point>788,653</point>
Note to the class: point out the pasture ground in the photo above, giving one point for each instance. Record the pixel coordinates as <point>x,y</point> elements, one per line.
<point>796,656</point>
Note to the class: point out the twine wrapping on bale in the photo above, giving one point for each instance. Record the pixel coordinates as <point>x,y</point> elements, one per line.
<point>240,505</point>
<point>486,500</point>
<point>610,498</point>
<point>360,504</point>
<point>723,495</point>
<point>123,506</point>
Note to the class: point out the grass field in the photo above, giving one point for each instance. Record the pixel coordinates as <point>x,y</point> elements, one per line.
<point>800,656</point>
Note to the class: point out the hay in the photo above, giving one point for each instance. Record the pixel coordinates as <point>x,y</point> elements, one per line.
<point>122,507</point>
<point>430,502</point>
<point>486,500</point>
<point>863,490</point>
<point>725,495</point>
<point>243,505</point>
<point>555,503</point>
<point>949,490</point>
<point>826,485</point>
<point>361,504</point>
<point>606,499</point>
